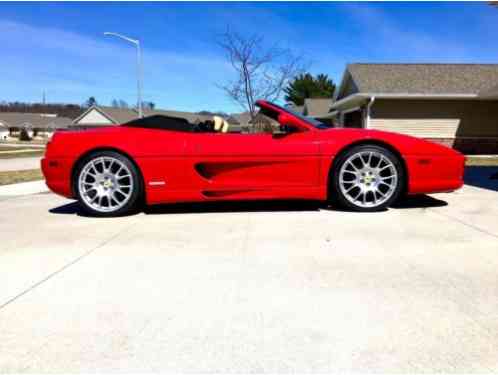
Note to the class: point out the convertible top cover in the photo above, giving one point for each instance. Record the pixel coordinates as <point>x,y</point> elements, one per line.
<point>162,122</point>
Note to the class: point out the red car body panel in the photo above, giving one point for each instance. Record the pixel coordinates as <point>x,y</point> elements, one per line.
<point>186,166</point>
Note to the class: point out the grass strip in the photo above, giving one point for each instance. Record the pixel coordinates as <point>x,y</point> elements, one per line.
<point>24,154</point>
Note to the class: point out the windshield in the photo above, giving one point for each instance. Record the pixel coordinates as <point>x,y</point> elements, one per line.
<point>315,123</point>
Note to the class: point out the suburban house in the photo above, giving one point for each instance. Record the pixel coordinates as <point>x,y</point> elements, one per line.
<point>319,109</point>
<point>96,116</point>
<point>453,104</point>
<point>4,132</point>
<point>31,125</point>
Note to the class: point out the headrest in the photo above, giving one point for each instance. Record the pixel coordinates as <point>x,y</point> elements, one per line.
<point>218,123</point>
<point>225,127</point>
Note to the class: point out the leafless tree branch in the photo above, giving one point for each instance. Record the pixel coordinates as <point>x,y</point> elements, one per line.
<point>262,72</point>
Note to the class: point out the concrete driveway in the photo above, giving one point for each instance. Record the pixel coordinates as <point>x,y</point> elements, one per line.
<point>281,287</point>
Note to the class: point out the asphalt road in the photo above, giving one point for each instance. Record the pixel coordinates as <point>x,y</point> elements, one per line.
<point>282,287</point>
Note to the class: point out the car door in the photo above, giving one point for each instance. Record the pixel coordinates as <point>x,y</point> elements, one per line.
<point>224,161</point>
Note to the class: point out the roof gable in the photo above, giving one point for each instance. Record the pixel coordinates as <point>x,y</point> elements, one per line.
<point>94,116</point>
<point>436,79</point>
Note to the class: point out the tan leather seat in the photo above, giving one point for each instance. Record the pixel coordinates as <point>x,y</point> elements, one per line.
<point>220,124</point>
<point>225,127</point>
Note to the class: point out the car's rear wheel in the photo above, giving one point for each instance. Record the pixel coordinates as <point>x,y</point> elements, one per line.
<point>367,178</point>
<point>107,183</point>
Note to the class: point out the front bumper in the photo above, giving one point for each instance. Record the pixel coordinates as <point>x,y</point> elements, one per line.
<point>433,174</point>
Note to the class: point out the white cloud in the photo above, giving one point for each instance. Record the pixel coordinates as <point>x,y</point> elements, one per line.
<point>71,66</point>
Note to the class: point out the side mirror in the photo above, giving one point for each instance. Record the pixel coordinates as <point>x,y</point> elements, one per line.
<point>288,124</point>
<point>287,129</point>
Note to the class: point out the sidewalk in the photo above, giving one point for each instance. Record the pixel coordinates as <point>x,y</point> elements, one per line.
<point>23,188</point>
<point>20,164</point>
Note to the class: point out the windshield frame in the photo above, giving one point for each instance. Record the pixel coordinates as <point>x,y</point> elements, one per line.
<point>309,120</point>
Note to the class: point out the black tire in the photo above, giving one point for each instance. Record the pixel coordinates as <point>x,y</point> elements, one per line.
<point>135,192</point>
<point>339,197</point>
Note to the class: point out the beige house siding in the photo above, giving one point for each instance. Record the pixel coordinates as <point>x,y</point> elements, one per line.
<point>94,117</point>
<point>470,126</point>
<point>423,128</point>
<point>437,118</point>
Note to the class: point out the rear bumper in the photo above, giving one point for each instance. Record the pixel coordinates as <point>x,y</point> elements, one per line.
<point>57,172</point>
<point>434,174</point>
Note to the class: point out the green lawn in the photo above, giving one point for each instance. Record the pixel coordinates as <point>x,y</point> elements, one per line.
<point>26,143</point>
<point>28,153</point>
<point>12,177</point>
<point>17,147</point>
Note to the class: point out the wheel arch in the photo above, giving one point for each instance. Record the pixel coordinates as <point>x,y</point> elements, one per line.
<point>370,142</point>
<point>100,149</point>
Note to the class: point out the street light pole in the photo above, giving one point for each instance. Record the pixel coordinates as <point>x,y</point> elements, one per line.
<point>136,42</point>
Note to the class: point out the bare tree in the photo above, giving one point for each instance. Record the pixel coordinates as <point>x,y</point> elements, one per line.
<point>261,72</point>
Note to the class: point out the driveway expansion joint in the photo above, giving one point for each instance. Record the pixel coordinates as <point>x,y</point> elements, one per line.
<point>452,218</point>
<point>63,268</point>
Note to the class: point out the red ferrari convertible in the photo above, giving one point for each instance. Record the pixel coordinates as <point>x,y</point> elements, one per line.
<point>161,159</point>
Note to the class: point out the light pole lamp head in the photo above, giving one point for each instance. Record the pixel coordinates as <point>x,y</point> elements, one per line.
<point>124,37</point>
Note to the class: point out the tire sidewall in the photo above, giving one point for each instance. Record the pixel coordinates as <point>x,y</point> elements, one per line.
<point>336,195</point>
<point>130,206</point>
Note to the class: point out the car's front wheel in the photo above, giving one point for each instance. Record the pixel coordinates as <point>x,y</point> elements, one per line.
<point>107,183</point>
<point>367,178</point>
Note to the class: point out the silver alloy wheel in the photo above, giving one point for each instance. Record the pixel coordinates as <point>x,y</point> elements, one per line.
<point>105,184</point>
<point>368,179</point>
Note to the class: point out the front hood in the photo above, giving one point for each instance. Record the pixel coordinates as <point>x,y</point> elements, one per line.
<point>406,144</point>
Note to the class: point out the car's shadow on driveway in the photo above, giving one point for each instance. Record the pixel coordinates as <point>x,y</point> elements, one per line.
<point>72,208</point>
<point>418,201</point>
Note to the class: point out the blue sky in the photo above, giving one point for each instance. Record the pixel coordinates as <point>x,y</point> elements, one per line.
<point>59,47</point>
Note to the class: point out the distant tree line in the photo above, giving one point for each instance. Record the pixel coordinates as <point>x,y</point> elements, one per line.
<point>120,103</point>
<point>215,113</point>
<point>63,110</point>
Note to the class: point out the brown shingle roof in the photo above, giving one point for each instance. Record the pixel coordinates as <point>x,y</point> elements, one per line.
<point>491,93</point>
<point>35,120</point>
<point>124,115</point>
<point>424,78</point>
<point>317,107</point>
